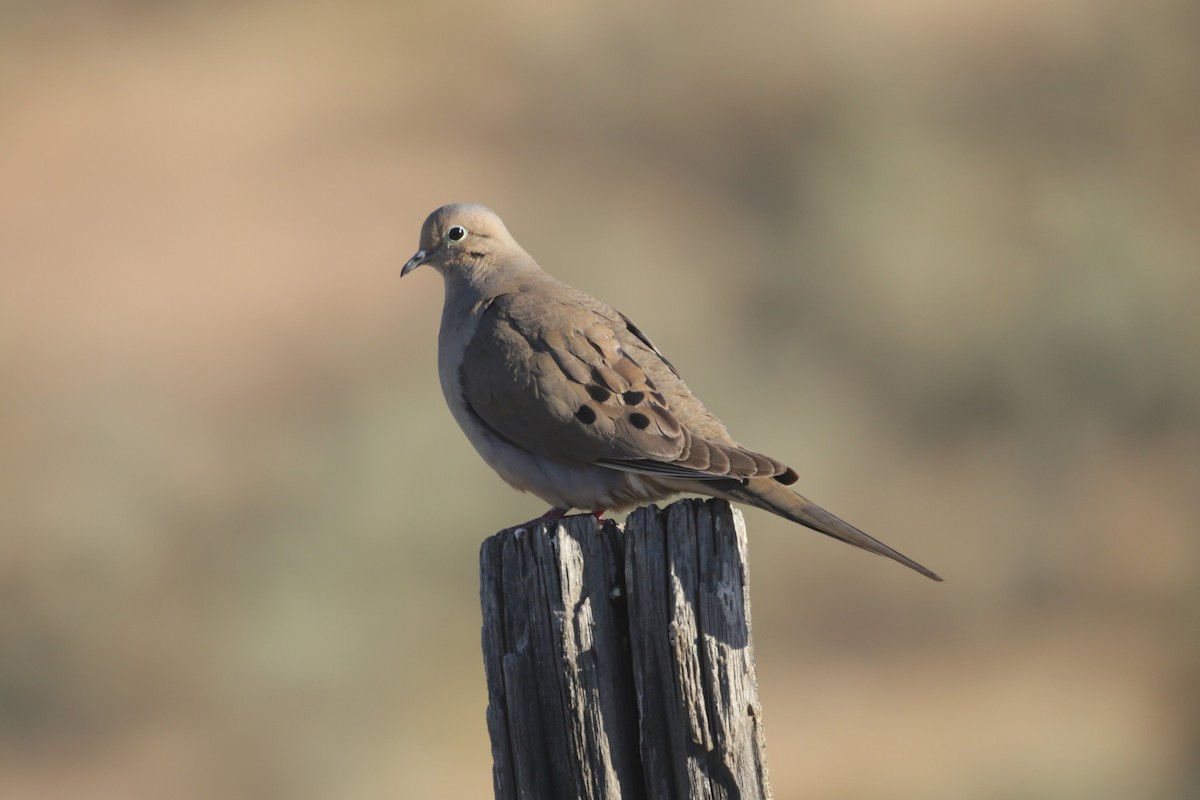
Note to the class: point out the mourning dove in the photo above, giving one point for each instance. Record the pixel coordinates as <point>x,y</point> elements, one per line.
<point>568,399</point>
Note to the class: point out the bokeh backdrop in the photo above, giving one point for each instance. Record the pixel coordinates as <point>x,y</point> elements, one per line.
<point>943,258</point>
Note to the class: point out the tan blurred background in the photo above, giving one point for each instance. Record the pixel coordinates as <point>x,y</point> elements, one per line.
<point>943,258</point>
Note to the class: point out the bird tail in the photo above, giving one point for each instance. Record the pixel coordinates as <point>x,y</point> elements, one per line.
<point>770,495</point>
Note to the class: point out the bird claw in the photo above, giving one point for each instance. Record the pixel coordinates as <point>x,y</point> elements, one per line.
<point>556,513</point>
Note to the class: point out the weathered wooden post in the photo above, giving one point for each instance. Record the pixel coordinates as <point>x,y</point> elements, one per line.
<point>620,665</point>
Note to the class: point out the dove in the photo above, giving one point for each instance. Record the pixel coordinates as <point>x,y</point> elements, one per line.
<point>568,399</point>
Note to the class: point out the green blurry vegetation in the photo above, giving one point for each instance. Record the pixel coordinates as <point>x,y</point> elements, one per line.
<point>943,260</point>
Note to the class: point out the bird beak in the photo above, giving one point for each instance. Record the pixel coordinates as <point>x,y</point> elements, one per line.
<point>417,260</point>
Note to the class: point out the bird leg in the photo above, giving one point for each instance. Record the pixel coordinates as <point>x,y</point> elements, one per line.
<point>557,513</point>
<point>549,516</point>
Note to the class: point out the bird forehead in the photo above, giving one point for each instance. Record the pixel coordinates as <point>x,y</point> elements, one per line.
<point>475,218</point>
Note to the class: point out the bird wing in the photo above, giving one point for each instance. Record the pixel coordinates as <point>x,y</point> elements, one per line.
<point>559,374</point>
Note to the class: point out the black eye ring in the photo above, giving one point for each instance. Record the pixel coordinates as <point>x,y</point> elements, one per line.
<point>456,233</point>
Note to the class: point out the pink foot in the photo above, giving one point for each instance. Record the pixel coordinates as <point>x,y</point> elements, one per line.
<point>549,516</point>
<point>558,513</point>
<point>598,513</point>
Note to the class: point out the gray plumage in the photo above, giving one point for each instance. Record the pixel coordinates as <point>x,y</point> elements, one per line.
<point>566,398</point>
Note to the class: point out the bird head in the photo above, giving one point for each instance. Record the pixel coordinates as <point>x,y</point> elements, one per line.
<point>465,242</point>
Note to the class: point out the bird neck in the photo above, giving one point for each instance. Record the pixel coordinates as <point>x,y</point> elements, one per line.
<point>491,278</point>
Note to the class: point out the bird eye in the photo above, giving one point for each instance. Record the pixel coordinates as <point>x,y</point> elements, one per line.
<point>456,233</point>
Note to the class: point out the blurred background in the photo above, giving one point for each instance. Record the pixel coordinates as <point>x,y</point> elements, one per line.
<point>942,258</point>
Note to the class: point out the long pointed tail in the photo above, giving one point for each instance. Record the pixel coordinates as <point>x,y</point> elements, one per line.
<point>770,495</point>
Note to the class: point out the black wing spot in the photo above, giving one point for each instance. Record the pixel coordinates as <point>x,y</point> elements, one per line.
<point>666,420</point>
<point>639,421</point>
<point>585,414</point>
<point>632,398</point>
<point>598,393</point>
<point>788,478</point>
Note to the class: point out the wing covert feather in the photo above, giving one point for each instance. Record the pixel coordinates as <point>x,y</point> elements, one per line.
<point>572,380</point>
